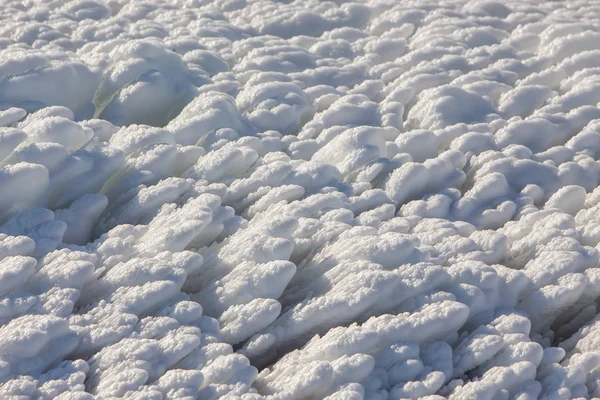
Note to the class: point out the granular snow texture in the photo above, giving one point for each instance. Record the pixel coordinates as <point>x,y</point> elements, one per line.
<point>299,199</point>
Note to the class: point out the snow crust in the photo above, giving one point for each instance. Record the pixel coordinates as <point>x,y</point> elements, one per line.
<point>256,199</point>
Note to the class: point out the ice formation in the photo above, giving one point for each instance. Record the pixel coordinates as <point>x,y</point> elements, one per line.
<point>257,199</point>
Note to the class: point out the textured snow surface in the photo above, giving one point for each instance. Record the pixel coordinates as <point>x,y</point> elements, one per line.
<point>299,199</point>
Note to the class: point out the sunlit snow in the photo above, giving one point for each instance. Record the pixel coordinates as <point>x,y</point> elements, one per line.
<point>299,199</point>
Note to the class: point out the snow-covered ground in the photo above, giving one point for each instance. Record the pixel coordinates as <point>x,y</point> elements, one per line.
<point>299,199</point>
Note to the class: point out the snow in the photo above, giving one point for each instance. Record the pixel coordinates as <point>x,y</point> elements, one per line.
<point>253,199</point>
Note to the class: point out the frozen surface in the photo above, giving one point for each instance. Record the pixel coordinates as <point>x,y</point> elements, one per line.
<point>301,199</point>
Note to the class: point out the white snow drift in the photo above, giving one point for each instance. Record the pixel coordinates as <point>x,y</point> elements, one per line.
<point>256,199</point>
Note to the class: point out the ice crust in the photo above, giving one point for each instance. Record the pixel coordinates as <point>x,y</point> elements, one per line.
<point>303,199</point>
